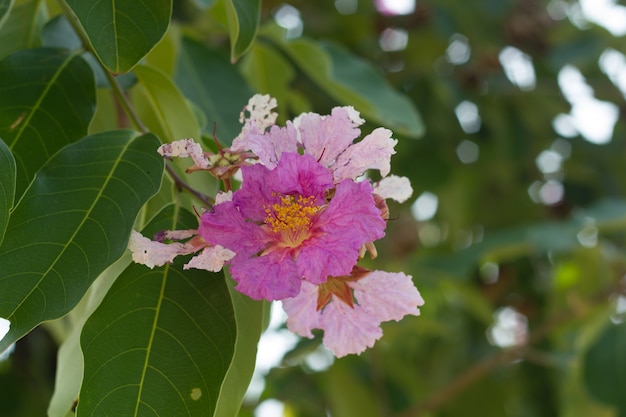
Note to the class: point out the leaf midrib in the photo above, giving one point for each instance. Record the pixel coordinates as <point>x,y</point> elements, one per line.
<point>40,99</point>
<point>76,231</point>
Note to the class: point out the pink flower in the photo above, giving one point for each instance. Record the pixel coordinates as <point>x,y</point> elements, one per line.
<point>292,223</point>
<point>351,308</point>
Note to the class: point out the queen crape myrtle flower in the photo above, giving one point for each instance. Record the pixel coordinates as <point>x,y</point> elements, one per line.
<point>292,223</point>
<point>304,216</point>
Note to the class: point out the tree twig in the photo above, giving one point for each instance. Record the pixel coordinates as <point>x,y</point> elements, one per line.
<point>505,356</point>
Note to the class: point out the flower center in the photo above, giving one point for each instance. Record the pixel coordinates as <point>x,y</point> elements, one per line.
<point>291,218</point>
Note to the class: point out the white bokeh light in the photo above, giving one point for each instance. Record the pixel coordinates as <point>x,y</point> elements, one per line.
<point>458,51</point>
<point>592,118</point>
<point>468,116</point>
<point>467,152</point>
<point>605,13</point>
<point>510,328</point>
<point>393,39</point>
<point>395,7</point>
<point>288,17</point>
<point>425,206</point>
<point>518,68</point>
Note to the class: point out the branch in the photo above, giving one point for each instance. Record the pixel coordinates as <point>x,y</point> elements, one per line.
<point>505,356</point>
<point>125,103</point>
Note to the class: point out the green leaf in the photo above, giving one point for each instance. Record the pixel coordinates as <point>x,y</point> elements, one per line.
<point>605,367</point>
<point>47,99</point>
<point>69,371</point>
<point>72,223</point>
<point>243,24</point>
<point>269,73</point>
<point>22,27</point>
<point>207,79</point>
<point>204,4</point>
<point>352,81</point>
<point>347,393</point>
<point>162,107</point>
<point>5,8</point>
<point>251,322</point>
<point>122,32</point>
<point>7,186</point>
<point>161,341</point>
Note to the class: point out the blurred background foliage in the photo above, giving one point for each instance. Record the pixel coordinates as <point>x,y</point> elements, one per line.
<point>514,235</point>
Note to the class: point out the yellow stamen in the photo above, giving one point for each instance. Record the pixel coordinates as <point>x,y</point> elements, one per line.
<point>291,217</point>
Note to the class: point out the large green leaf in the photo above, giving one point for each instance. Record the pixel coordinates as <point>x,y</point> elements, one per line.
<point>122,32</point>
<point>207,79</point>
<point>243,24</point>
<point>47,99</point>
<point>162,107</point>
<point>22,26</point>
<point>5,8</point>
<point>605,367</point>
<point>161,341</point>
<point>352,81</point>
<point>252,320</point>
<point>69,371</point>
<point>7,186</point>
<point>73,222</point>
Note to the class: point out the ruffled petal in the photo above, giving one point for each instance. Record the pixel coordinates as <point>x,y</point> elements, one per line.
<point>350,220</point>
<point>149,253</point>
<point>394,187</point>
<point>373,152</point>
<point>302,314</point>
<point>185,148</point>
<point>269,277</point>
<point>326,137</point>
<point>348,330</point>
<point>387,295</point>
<point>211,258</point>
<point>300,174</point>
<point>224,225</point>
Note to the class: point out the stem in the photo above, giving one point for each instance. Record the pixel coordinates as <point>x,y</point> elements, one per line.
<point>505,356</point>
<point>125,103</point>
<point>182,185</point>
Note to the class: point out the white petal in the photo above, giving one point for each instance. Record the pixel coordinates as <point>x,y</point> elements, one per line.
<point>222,197</point>
<point>373,152</point>
<point>348,330</point>
<point>150,253</point>
<point>301,310</point>
<point>185,148</point>
<point>387,295</point>
<point>394,187</point>
<point>260,111</point>
<point>210,259</point>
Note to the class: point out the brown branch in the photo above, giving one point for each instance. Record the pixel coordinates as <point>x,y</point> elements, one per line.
<point>506,356</point>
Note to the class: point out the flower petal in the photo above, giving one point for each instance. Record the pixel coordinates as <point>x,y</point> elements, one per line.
<point>260,112</point>
<point>225,225</point>
<point>373,152</point>
<point>350,220</point>
<point>387,295</point>
<point>269,277</point>
<point>326,137</point>
<point>348,330</point>
<point>185,148</point>
<point>150,253</point>
<point>394,187</point>
<point>302,314</point>
<point>211,258</point>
